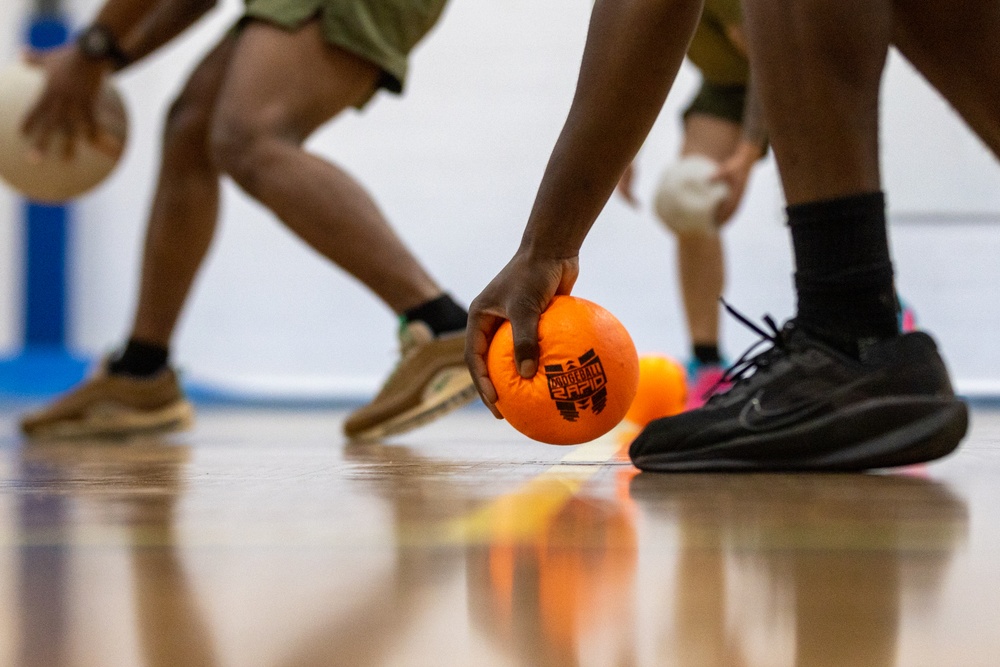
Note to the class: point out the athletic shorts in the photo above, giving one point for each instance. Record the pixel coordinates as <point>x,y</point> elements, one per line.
<point>382,32</point>
<point>719,101</point>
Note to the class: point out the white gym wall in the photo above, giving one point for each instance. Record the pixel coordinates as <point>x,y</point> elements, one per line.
<point>454,164</point>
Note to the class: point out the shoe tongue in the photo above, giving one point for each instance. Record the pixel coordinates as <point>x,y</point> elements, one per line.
<point>413,334</point>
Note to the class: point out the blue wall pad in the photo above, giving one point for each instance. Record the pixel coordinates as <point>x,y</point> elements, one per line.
<point>39,371</point>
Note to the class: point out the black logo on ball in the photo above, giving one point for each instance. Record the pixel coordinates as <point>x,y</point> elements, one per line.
<point>578,385</point>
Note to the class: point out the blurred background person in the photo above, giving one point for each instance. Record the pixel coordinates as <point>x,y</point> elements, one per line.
<point>283,71</point>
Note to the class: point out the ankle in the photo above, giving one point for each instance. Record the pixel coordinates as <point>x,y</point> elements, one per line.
<point>139,359</point>
<point>442,314</point>
<point>706,354</point>
<point>844,274</point>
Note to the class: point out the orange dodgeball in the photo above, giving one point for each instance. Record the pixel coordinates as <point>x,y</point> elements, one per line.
<point>588,372</point>
<point>662,390</point>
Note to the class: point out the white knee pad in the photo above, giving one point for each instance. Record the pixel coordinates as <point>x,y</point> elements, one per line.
<point>686,197</point>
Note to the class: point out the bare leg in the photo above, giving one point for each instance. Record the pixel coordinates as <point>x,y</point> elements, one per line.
<point>819,65</point>
<point>281,87</point>
<point>699,256</point>
<point>701,266</point>
<point>957,47</point>
<point>183,217</point>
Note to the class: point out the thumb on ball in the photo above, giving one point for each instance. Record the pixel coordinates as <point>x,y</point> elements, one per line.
<point>525,334</point>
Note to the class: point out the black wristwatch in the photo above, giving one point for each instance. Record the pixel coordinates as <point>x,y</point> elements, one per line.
<point>97,43</point>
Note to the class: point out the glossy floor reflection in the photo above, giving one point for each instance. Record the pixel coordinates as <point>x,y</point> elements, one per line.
<point>261,539</point>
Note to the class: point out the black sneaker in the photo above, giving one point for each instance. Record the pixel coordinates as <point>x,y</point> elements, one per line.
<point>802,405</point>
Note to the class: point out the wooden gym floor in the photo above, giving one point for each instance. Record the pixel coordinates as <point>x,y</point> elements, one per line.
<point>259,538</point>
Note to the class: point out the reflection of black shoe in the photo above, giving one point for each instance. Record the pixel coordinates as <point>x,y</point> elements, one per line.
<point>801,405</point>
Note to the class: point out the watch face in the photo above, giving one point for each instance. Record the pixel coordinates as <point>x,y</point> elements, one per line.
<point>94,43</point>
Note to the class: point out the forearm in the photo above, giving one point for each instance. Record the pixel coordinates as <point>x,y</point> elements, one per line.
<point>165,21</point>
<point>634,49</point>
<point>139,28</point>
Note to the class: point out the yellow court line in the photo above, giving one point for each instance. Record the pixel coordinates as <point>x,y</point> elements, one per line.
<point>598,451</point>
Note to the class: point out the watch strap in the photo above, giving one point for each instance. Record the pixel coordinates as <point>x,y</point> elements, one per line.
<point>99,43</point>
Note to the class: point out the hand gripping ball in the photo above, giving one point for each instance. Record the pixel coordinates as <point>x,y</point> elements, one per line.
<point>54,178</point>
<point>588,371</point>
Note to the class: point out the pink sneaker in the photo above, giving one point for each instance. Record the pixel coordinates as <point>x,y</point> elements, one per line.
<point>703,381</point>
<point>907,319</point>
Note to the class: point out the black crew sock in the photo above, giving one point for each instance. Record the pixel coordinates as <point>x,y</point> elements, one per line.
<point>139,359</point>
<point>706,354</point>
<point>844,276</point>
<point>442,315</point>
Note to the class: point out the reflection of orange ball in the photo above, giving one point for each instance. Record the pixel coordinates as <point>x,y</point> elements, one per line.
<point>588,371</point>
<point>662,390</point>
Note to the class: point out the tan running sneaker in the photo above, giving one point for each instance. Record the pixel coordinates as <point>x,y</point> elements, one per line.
<point>113,406</point>
<point>430,380</point>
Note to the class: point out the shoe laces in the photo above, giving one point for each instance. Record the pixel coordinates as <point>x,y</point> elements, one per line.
<point>408,345</point>
<point>752,361</point>
<point>407,341</point>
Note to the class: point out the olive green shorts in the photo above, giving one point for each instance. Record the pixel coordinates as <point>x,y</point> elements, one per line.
<point>719,101</point>
<point>380,31</point>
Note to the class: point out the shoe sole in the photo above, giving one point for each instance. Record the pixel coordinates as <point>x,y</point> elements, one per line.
<point>447,391</point>
<point>118,423</point>
<point>922,429</point>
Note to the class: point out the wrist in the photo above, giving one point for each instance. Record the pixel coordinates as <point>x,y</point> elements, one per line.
<point>747,153</point>
<point>546,252</point>
<point>752,149</point>
<point>547,245</point>
<point>85,65</point>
